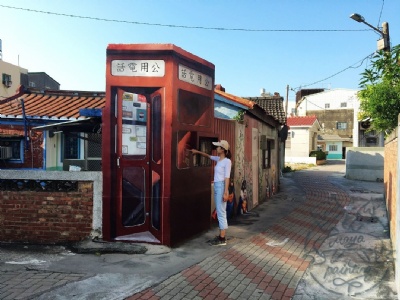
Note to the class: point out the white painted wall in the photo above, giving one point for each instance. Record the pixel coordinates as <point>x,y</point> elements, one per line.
<point>332,97</point>
<point>299,143</point>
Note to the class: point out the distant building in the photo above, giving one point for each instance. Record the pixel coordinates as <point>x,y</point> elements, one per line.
<point>337,111</point>
<point>41,81</point>
<point>302,138</point>
<point>11,78</point>
<point>306,92</point>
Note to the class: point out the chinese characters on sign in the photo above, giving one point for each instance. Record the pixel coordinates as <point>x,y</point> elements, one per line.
<point>189,75</point>
<point>145,68</point>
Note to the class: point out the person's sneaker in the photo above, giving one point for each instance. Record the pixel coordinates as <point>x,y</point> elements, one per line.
<point>218,241</point>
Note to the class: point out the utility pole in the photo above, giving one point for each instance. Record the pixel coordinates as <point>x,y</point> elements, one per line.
<point>384,42</point>
<point>287,100</point>
<point>386,37</point>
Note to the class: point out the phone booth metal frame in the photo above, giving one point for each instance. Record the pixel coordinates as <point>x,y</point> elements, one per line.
<point>159,105</point>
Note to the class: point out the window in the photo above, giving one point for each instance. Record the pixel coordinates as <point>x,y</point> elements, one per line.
<point>7,80</point>
<point>332,147</point>
<point>327,105</point>
<point>266,153</point>
<point>70,147</point>
<point>341,125</point>
<point>17,147</point>
<point>32,84</point>
<point>343,104</point>
<point>194,109</point>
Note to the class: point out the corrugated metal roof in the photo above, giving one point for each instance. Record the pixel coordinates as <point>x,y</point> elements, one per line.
<point>50,105</point>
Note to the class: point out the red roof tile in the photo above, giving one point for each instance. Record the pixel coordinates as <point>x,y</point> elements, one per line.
<point>301,121</point>
<point>51,104</point>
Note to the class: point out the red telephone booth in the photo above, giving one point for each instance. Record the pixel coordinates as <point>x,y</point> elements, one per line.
<point>160,104</point>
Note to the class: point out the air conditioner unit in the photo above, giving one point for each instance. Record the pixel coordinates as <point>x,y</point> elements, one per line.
<point>5,152</point>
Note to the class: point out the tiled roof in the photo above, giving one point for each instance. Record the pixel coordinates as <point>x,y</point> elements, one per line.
<point>301,121</point>
<point>242,101</point>
<point>54,105</point>
<point>273,105</point>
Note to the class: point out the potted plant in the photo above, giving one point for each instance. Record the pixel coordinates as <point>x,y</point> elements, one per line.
<point>320,155</point>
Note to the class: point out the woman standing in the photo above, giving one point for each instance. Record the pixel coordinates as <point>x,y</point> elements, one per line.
<point>222,174</point>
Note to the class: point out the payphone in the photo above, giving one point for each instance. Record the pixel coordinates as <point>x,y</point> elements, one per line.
<point>159,105</point>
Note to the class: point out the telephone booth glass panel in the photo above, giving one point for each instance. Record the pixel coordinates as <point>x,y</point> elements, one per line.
<point>133,196</point>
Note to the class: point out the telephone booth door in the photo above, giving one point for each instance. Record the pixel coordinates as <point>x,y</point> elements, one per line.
<point>139,163</point>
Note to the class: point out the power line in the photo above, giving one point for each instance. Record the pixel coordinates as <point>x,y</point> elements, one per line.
<point>179,26</point>
<point>380,14</point>
<point>360,62</point>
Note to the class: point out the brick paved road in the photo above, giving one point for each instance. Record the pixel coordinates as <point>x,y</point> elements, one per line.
<point>271,264</point>
<point>320,248</point>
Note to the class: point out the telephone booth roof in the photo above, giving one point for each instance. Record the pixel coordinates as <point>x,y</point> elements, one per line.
<point>157,48</point>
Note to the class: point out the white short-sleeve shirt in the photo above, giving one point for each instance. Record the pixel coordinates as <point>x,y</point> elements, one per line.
<point>222,169</point>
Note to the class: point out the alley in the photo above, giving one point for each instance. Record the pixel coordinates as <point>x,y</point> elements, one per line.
<point>321,237</point>
<point>333,245</point>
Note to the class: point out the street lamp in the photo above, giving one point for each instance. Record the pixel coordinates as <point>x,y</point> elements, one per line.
<point>384,42</point>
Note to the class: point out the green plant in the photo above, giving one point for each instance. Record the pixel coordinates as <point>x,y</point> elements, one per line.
<point>239,116</point>
<point>380,94</point>
<point>320,155</point>
<point>287,169</point>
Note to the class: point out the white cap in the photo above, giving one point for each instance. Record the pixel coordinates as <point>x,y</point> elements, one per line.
<point>224,144</point>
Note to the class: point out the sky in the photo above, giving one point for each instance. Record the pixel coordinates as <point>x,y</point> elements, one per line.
<point>259,44</point>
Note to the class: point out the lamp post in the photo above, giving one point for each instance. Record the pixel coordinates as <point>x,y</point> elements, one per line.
<point>384,42</point>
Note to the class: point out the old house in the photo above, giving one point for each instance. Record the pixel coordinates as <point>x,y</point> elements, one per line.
<point>273,105</point>
<point>302,138</point>
<point>51,148</point>
<point>255,143</point>
<point>335,112</point>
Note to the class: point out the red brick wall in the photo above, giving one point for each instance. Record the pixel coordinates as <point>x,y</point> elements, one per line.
<point>35,151</point>
<point>390,180</point>
<point>46,217</point>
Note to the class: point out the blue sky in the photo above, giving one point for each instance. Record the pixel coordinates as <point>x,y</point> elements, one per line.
<point>72,50</point>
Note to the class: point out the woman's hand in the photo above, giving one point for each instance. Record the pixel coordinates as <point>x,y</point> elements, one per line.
<point>226,196</point>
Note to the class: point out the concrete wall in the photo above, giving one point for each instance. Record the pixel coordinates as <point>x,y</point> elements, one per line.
<point>365,163</point>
